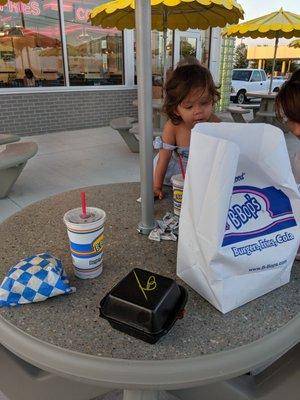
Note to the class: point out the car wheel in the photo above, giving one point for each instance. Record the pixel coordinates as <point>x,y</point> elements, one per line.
<point>276,89</point>
<point>241,97</point>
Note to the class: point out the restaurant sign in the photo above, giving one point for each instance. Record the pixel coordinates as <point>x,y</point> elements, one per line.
<point>34,8</point>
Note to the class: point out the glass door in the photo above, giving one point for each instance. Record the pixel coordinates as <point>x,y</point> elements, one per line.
<point>188,44</point>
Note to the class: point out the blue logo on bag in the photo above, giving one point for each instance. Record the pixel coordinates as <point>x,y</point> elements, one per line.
<point>257,212</point>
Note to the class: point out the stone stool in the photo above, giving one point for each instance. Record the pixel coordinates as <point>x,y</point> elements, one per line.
<point>12,161</point>
<point>237,113</point>
<point>123,125</point>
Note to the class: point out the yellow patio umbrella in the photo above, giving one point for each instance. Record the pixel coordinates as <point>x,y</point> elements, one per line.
<point>279,24</point>
<point>3,2</point>
<point>169,14</point>
<point>295,43</point>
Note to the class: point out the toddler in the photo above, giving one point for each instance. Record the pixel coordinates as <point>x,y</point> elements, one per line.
<point>190,95</point>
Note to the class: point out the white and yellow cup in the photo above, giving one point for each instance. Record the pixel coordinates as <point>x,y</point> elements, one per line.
<point>177,183</point>
<point>86,237</point>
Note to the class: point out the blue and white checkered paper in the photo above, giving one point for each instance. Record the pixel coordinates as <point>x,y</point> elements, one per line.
<point>34,279</point>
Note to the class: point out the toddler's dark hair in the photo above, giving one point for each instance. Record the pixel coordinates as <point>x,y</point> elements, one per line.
<point>183,79</point>
<point>287,103</point>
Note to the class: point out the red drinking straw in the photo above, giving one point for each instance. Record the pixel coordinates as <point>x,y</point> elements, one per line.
<point>83,204</point>
<point>181,165</point>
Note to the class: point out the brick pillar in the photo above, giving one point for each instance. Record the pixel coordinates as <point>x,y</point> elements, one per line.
<point>227,55</point>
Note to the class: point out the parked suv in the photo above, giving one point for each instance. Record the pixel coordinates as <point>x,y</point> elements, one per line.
<point>250,80</point>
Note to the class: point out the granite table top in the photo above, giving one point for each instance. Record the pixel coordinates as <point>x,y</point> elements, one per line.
<point>72,322</point>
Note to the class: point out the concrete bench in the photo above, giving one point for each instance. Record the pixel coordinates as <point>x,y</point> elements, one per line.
<point>237,113</point>
<point>8,138</point>
<point>129,130</point>
<point>135,131</point>
<point>253,107</point>
<point>268,114</point>
<point>123,125</point>
<point>12,161</point>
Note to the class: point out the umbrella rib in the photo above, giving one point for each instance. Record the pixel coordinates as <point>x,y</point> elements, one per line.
<point>288,18</point>
<point>216,11</point>
<point>116,21</point>
<point>187,21</point>
<point>255,20</point>
<point>191,11</point>
<point>269,18</point>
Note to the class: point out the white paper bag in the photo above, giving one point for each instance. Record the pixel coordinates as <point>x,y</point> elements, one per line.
<point>239,222</point>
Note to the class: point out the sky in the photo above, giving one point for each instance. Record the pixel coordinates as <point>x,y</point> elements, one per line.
<point>257,8</point>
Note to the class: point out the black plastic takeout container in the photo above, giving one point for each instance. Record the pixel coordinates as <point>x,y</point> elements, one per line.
<point>144,305</point>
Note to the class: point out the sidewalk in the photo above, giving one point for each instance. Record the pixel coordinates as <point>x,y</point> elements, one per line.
<point>70,160</point>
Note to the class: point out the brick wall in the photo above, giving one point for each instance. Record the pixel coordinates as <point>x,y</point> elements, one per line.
<point>38,113</point>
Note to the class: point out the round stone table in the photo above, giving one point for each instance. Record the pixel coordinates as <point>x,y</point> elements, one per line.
<point>66,336</point>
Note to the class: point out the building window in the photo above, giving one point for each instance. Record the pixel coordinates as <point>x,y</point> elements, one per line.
<point>30,45</point>
<point>157,51</point>
<point>95,55</point>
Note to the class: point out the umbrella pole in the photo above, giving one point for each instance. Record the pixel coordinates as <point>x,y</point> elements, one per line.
<point>165,34</point>
<point>273,65</point>
<point>144,76</point>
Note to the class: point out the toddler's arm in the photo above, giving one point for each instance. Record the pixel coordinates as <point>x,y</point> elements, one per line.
<point>160,172</point>
<point>163,161</point>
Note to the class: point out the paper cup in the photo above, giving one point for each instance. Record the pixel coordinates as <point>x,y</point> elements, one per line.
<point>177,183</point>
<point>86,237</point>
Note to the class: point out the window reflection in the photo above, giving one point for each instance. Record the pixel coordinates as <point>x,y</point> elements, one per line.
<point>157,45</point>
<point>95,55</point>
<point>30,45</point>
<point>157,51</point>
<point>188,47</point>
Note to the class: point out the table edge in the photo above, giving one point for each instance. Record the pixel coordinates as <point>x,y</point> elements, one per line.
<point>143,374</point>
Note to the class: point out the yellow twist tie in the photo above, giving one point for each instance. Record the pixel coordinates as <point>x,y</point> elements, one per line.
<point>151,284</point>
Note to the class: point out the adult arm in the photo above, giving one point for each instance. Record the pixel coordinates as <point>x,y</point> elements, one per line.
<point>214,118</point>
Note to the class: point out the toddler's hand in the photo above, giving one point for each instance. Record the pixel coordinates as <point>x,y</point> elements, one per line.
<point>158,193</point>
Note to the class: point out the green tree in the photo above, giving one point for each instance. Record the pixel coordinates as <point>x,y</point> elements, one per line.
<point>269,64</point>
<point>240,56</point>
<point>294,66</point>
<point>253,64</point>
